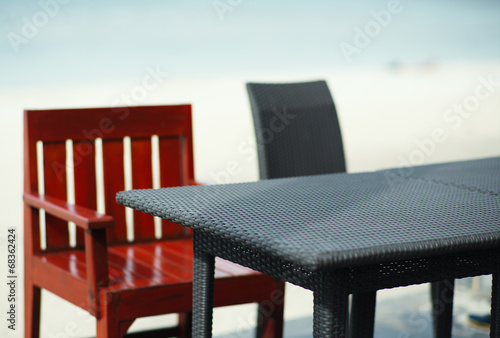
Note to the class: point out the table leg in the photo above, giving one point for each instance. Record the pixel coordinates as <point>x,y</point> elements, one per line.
<point>330,312</point>
<point>442,307</point>
<point>203,289</point>
<point>362,319</point>
<point>495,306</point>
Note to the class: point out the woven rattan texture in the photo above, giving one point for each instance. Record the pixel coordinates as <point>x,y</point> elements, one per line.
<point>368,277</point>
<point>476,176</point>
<point>348,220</point>
<point>203,283</point>
<point>296,128</point>
<point>329,308</point>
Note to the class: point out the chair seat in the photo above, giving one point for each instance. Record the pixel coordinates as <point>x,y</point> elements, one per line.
<point>145,265</point>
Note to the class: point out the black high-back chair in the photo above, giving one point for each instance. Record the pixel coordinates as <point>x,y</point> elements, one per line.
<point>298,134</point>
<point>297,129</point>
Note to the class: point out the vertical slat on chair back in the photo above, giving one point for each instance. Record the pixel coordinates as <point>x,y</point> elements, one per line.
<point>85,178</point>
<point>57,233</point>
<point>142,178</point>
<point>114,181</point>
<point>297,129</point>
<point>172,125</point>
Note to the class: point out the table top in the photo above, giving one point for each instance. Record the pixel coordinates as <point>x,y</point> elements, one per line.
<point>337,220</point>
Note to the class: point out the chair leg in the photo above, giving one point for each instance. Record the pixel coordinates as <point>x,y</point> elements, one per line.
<point>185,324</point>
<point>107,328</point>
<point>442,307</point>
<point>270,314</point>
<point>495,306</point>
<point>362,316</point>
<point>32,302</point>
<point>108,325</point>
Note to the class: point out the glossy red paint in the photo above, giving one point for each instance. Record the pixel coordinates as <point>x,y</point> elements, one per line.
<point>112,278</point>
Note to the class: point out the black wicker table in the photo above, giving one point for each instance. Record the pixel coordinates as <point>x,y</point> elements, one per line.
<point>339,234</point>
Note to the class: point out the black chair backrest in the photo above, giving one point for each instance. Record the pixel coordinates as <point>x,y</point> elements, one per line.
<point>297,129</point>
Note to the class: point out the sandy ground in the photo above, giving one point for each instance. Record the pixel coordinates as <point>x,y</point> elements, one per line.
<point>389,117</point>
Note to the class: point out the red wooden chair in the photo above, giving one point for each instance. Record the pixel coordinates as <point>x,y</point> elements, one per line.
<point>100,269</point>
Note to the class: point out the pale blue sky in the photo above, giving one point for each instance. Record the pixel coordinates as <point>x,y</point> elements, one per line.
<point>92,41</point>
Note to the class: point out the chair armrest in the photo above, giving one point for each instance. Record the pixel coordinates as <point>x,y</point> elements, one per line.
<point>96,251</point>
<point>81,216</point>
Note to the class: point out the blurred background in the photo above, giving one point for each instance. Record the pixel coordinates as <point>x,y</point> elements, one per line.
<point>399,72</point>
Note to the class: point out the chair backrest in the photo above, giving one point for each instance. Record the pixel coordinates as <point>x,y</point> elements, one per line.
<point>297,129</point>
<point>50,130</point>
